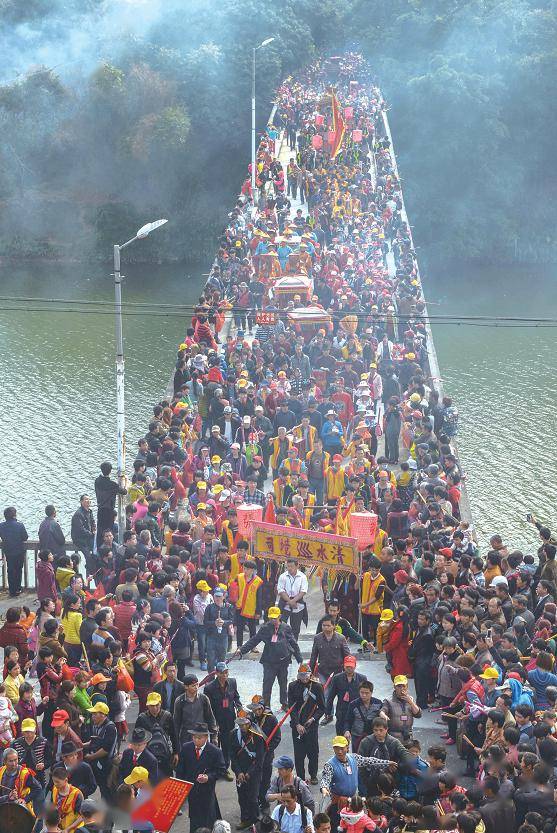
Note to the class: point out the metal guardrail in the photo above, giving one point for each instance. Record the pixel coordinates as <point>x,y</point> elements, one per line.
<point>32,556</point>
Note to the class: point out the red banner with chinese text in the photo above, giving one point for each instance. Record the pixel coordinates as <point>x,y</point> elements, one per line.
<point>164,804</point>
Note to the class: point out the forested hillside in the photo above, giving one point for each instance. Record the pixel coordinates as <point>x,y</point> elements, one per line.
<point>114,113</point>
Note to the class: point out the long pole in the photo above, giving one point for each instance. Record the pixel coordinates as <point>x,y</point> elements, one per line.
<point>120,403</point>
<point>253,128</point>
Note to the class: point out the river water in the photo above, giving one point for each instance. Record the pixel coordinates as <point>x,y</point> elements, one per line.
<point>58,399</point>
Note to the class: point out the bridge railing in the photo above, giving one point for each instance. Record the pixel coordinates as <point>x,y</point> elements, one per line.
<point>29,564</point>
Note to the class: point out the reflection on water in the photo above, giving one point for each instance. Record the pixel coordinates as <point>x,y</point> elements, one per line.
<point>504,383</point>
<point>58,380</point>
<point>57,385</point>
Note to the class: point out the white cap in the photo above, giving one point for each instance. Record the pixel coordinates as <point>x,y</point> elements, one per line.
<point>499,580</point>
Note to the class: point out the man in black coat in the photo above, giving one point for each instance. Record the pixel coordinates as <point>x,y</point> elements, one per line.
<point>13,536</point>
<point>158,722</point>
<point>345,686</point>
<point>280,647</point>
<point>106,491</point>
<point>225,702</point>
<point>170,688</point>
<point>306,697</point>
<point>420,655</point>
<point>83,532</point>
<point>265,722</point>
<point>139,755</point>
<point>247,752</point>
<point>201,763</point>
<point>80,774</point>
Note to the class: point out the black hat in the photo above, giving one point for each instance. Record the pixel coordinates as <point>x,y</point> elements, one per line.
<point>141,736</point>
<point>199,729</point>
<point>68,747</point>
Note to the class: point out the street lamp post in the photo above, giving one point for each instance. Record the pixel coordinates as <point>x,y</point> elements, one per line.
<point>266,42</point>
<point>120,403</point>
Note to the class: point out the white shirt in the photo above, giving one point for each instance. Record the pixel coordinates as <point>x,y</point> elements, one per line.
<point>292,585</point>
<point>292,822</point>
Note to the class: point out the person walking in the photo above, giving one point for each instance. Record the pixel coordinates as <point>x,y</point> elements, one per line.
<point>266,723</point>
<point>292,588</point>
<point>247,752</point>
<point>192,708</point>
<point>344,688</point>
<point>201,763</point>
<point>218,621</point>
<point>13,536</point>
<point>225,703</point>
<point>307,700</point>
<point>329,650</point>
<point>280,647</point>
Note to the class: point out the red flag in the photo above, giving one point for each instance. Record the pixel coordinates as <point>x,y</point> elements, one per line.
<point>269,516</point>
<point>338,126</point>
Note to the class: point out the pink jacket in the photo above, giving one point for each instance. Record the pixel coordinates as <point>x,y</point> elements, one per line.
<point>356,822</point>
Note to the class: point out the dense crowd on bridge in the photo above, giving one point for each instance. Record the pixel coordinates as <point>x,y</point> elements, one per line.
<point>314,404</point>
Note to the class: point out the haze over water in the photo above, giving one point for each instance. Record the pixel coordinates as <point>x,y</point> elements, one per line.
<point>57,385</point>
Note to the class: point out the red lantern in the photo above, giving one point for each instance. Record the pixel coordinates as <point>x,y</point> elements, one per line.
<point>357,135</point>
<point>317,141</point>
<point>363,527</point>
<point>319,119</point>
<point>246,514</point>
<point>348,113</point>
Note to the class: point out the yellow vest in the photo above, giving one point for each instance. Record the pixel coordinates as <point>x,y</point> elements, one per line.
<point>247,595</point>
<point>19,784</point>
<point>334,483</point>
<point>66,807</point>
<point>380,541</point>
<point>275,445</point>
<point>372,588</point>
<point>233,538</point>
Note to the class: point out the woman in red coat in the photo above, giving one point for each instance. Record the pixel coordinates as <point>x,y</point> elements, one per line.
<point>397,645</point>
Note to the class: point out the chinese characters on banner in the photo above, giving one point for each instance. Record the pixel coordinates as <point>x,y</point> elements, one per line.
<point>162,807</point>
<point>315,548</point>
<point>264,318</point>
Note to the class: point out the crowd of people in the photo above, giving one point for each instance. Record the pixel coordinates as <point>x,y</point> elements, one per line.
<point>313,422</point>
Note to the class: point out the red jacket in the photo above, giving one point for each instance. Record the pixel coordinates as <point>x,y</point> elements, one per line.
<point>12,633</point>
<point>123,613</point>
<point>397,647</point>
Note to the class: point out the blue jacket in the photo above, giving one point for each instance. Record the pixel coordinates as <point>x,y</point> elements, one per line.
<point>408,784</point>
<point>13,535</point>
<point>331,440</point>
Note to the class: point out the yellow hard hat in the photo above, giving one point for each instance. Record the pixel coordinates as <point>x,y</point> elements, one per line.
<point>273,613</point>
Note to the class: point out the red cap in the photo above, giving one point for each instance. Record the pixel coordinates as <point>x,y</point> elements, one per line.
<point>59,717</point>
<point>337,458</point>
<point>350,660</point>
<point>446,551</point>
<point>401,576</point>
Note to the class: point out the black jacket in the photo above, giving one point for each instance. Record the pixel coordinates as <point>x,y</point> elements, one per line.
<point>213,612</point>
<point>246,755</point>
<point>162,721</point>
<point>82,777</point>
<point>274,653</point>
<point>106,491</point>
<point>499,816</point>
<point>83,528</point>
<point>146,759</point>
<point>13,535</point>
<point>309,703</point>
<point>422,648</point>
<point>177,689</point>
<point>339,687</point>
<point>225,702</point>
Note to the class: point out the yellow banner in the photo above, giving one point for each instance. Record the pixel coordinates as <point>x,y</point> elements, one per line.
<point>336,552</point>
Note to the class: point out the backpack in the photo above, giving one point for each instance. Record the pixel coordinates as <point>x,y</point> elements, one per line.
<point>159,745</point>
<point>303,809</point>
